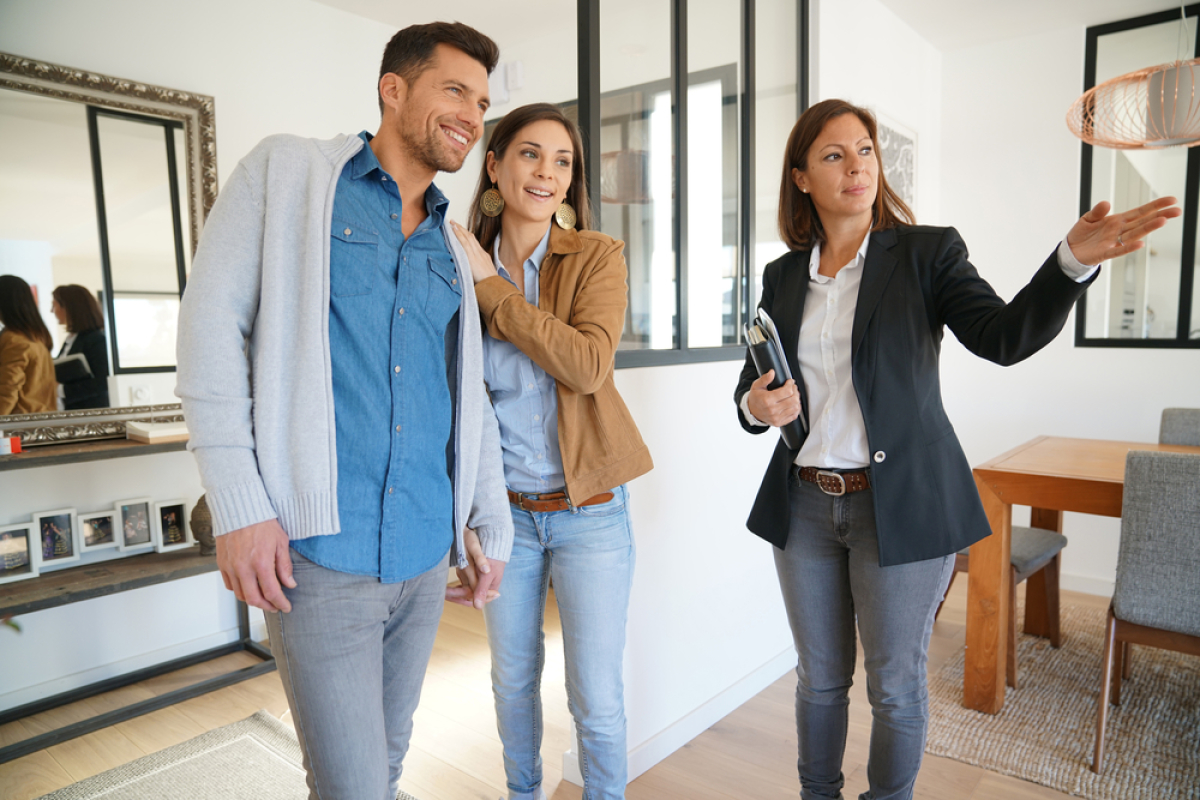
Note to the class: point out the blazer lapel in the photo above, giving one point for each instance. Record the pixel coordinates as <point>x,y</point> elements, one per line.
<point>877,271</point>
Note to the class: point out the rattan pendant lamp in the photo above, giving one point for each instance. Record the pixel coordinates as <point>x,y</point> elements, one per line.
<point>1149,108</point>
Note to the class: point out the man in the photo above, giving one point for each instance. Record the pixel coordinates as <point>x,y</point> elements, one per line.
<point>331,373</point>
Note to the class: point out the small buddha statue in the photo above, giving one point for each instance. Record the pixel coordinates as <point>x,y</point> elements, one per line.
<point>202,528</point>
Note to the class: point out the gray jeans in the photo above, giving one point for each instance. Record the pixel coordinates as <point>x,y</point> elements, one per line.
<point>829,574</point>
<point>352,654</point>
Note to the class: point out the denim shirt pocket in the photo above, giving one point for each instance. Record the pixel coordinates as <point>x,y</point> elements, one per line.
<point>353,252</point>
<point>445,294</point>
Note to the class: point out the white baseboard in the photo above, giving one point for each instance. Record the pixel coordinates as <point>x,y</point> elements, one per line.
<point>676,735</point>
<point>30,694</point>
<point>1102,587</point>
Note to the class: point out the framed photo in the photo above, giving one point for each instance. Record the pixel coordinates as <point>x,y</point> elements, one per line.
<point>19,554</point>
<point>134,523</point>
<point>171,530</point>
<point>58,536</point>
<point>97,531</point>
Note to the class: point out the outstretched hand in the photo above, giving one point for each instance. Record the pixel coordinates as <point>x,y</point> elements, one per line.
<point>482,267</point>
<point>1099,236</point>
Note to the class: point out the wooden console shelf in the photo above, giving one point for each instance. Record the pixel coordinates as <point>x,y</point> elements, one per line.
<point>52,455</point>
<point>89,581</point>
<point>58,588</point>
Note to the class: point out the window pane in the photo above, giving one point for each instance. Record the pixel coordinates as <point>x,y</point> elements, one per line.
<point>714,41</point>
<point>637,163</point>
<point>141,237</point>
<point>48,233</point>
<point>775,112</point>
<point>1137,296</point>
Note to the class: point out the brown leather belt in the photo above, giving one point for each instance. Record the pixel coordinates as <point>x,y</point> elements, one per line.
<point>557,501</point>
<point>835,483</point>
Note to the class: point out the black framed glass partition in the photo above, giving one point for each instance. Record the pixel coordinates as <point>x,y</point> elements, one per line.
<point>1149,298</point>
<point>670,110</point>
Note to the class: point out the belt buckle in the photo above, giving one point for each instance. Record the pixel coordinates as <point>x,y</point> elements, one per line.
<point>821,473</point>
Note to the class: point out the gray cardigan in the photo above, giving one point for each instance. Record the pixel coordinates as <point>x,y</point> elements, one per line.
<point>254,363</point>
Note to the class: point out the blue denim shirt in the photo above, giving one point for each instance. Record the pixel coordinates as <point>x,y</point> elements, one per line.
<point>525,399</point>
<point>393,309</point>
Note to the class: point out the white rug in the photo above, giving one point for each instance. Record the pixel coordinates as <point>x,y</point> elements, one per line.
<point>255,759</point>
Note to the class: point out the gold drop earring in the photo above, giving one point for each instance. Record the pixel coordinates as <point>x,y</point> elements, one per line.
<point>565,216</point>
<point>491,203</point>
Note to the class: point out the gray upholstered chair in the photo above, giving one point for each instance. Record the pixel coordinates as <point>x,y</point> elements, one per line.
<point>1157,598</point>
<point>1180,426</point>
<point>1034,551</point>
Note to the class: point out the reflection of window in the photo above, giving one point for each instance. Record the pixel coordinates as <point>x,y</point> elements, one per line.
<point>145,326</point>
<point>142,246</point>
<point>1150,297</point>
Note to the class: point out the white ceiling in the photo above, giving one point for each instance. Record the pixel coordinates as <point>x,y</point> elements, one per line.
<point>955,24</point>
<point>947,24</point>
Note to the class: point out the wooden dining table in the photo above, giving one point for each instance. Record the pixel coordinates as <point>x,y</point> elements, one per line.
<point>1051,474</point>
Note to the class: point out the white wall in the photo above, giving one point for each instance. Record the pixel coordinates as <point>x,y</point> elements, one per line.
<point>1011,187</point>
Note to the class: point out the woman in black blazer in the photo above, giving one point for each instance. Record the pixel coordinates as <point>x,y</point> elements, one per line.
<point>867,514</point>
<point>76,308</point>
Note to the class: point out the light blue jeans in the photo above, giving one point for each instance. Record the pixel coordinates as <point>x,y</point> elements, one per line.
<point>830,576</point>
<point>590,553</point>
<point>352,654</point>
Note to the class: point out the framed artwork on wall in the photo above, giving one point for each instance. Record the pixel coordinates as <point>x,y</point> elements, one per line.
<point>134,525</point>
<point>97,531</point>
<point>171,530</point>
<point>58,536</point>
<point>18,552</point>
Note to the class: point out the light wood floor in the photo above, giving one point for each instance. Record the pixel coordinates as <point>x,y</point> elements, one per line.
<point>456,755</point>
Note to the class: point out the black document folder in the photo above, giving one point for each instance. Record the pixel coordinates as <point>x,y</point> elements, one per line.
<point>766,351</point>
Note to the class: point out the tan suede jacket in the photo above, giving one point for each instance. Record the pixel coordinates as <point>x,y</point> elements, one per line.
<point>573,335</point>
<point>27,384</point>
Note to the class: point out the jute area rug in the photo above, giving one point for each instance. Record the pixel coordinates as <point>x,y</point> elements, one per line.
<point>255,759</point>
<point>1046,731</point>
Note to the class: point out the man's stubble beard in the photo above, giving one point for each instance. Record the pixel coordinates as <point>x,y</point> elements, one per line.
<point>431,151</point>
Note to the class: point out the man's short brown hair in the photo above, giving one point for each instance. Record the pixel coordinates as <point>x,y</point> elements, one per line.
<point>410,52</point>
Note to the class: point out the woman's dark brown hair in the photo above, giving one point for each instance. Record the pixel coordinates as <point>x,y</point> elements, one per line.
<point>487,228</point>
<point>19,312</point>
<point>799,223</point>
<point>80,306</point>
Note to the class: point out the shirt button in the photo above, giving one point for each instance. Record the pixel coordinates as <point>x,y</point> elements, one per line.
<point>397,429</point>
<point>397,370</point>
<point>879,456</point>
<point>401,312</point>
<point>391,490</point>
<point>384,178</point>
<point>347,231</point>
<point>454,282</point>
<point>529,386</point>
<point>539,456</point>
<point>394,216</point>
<point>536,417</point>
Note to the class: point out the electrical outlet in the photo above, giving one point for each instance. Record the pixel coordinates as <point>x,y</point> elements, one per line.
<point>139,395</point>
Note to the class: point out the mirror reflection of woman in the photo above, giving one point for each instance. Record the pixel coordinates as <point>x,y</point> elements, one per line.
<point>78,311</point>
<point>552,294</point>
<point>867,514</point>
<point>27,384</point>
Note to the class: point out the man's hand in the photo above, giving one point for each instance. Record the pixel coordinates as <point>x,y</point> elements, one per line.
<point>775,407</point>
<point>479,582</point>
<point>254,561</point>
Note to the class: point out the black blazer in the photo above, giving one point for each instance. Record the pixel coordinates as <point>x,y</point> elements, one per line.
<point>916,281</point>
<point>88,392</point>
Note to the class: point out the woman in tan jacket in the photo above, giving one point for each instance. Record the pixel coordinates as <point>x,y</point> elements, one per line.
<point>27,384</point>
<point>553,294</point>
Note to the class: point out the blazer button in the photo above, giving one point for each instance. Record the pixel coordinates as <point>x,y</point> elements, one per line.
<point>880,456</point>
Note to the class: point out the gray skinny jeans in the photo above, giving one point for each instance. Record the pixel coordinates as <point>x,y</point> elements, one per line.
<point>352,654</point>
<point>829,574</point>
